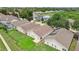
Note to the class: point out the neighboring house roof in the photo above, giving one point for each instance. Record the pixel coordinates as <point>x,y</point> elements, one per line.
<point>2,17</point>
<point>77,47</point>
<point>40,30</point>
<point>11,18</point>
<point>29,26</point>
<point>8,17</point>
<point>63,36</point>
<point>20,22</point>
<point>43,31</point>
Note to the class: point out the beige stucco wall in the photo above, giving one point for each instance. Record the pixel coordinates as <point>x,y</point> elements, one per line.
<point>55,44</point>
<point>29,33</point>
<point>20,29</point>
<point>33,35</point>
<point>14,20</point>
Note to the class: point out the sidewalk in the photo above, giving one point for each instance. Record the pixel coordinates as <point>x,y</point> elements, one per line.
<point>4,42</point>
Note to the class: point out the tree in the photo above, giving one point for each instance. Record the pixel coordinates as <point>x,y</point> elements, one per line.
<point>4,11</point>
<point>67,24</point>
<point>58,21</point>
<point>53,20</point>
<point>76,25</point>
<point>26,13</point>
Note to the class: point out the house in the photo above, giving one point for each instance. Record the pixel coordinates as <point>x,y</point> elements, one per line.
<point>40,32</point>
<point>9,18</point>
<point>34,30</point>
<point>7,24</point>
<point>2,17</point>
<point>43,15</point>
<point>45,18</point>
<point>39,16</point>
<point>59,39</point>
<point>19,22</point>
<point>12,18</point>
<point>24,28</point>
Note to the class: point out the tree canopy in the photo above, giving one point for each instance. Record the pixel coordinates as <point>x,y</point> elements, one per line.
<point>58,21</point>
<point>76,25</point>
<point>26,13</point>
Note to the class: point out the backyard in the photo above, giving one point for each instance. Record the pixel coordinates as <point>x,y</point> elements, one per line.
<point>20,42</point>
<point>2,47</point>
<point>73,45</point>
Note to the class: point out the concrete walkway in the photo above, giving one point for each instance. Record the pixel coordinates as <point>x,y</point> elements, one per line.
<point>73,30</point>
<point>4,42</point>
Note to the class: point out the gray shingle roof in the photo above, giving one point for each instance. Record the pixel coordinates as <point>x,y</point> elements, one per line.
<point>11,17</point>
<point>43,31</point>
<point>2,17</point>
<point>7,17</point>
<point>29,26</point>
<point>63,36</point>
<point>20,22</point>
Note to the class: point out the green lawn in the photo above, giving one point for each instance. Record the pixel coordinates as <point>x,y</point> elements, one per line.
<point>70,14</point>
<point>2,47</point>
<point>18,41</point>
<point>12,43</point>
<point>73,45</point>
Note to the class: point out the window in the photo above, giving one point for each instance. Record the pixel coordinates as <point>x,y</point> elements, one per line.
<point>63,49</point>
<point>40,37</point>
<point>52,44</point>
<point>47,42</point>
<point>55,46</point>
